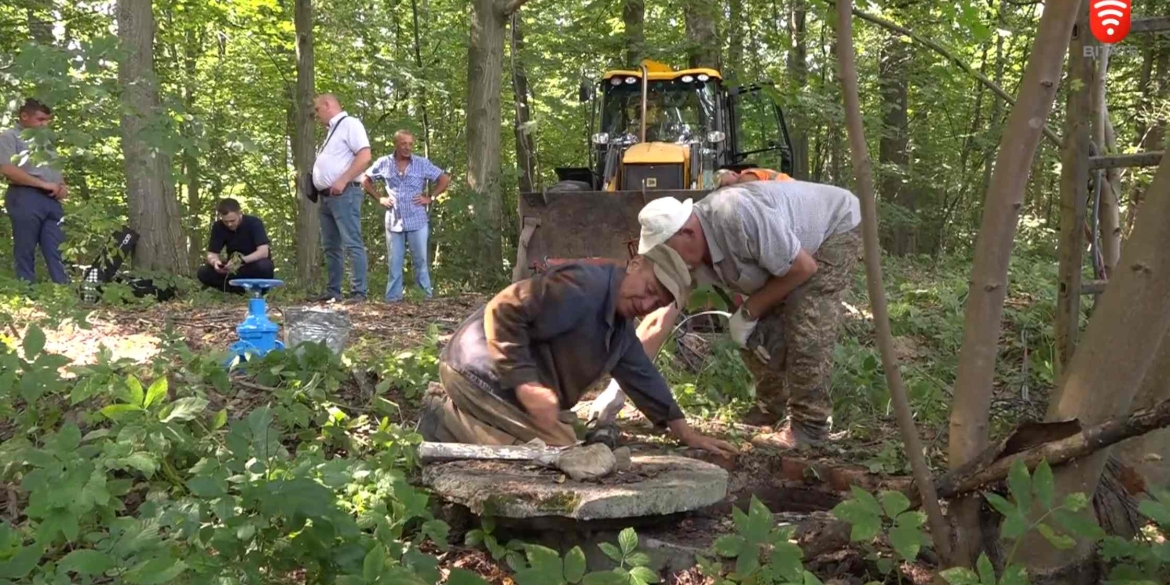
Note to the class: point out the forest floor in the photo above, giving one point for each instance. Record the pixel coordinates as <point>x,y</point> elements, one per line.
<point>798,489</point>
<point>392,355</point>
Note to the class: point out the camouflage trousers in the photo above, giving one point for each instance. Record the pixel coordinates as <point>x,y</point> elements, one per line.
<point>799,336</point>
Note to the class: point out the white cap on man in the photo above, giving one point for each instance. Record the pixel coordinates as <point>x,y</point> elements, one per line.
<point>661,219</point>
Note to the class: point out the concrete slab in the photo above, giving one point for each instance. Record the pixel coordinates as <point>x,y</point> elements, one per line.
<point>654,485</point>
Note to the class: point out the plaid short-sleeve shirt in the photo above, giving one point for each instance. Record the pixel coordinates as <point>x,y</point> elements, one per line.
<point>405,215</point>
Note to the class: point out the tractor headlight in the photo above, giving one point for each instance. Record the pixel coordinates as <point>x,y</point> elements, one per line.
<point>687,78</point>
<point>716,136</point>
<point>704,77</point>
<point>601,138</point>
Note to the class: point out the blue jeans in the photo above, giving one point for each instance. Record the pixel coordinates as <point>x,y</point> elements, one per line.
<point>341,227</point>
<point>396,243</point>
<point>36,220</point>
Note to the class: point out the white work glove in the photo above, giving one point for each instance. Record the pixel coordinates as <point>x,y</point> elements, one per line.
<point>741,328</point>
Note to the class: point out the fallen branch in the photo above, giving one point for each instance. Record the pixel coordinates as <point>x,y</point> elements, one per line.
<point>254,386</point>
<point>1067,442</point>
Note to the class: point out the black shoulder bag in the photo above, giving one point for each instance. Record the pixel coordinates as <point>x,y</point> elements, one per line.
<point>311,191</point>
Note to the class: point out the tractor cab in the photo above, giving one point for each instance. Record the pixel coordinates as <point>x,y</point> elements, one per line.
<point>659,129</point>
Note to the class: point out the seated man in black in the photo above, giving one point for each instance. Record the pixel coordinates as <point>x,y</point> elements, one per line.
<point>243,235</point>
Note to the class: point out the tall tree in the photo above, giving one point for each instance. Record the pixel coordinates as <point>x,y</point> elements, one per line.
<point>702,37</point>
<point>422,87</point>
<point>1074,178</point>
<point>1108,212</point>
<point>798,77</point>
<point>192,48</point>
<point>525,145</point>
<point>485,68</point>
<point>1120,344</point>
<point>634,19</point>
<point>733,67</point>
<point>154,209</point>
<point>894,147</point>
<point>1149,454</point>
<point>308,223</point>
<point>863,172</point>
<point>981,326</point>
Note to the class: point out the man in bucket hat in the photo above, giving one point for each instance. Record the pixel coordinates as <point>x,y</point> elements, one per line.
<point>790,247</point>
<point>515,368</point>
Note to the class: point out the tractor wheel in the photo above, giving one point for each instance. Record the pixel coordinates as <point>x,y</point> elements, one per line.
<point>571,186</point>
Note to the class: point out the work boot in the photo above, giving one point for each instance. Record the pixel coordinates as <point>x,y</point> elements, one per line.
<point>354,300</point>
<point>790,436</point>
<point>430,418</point>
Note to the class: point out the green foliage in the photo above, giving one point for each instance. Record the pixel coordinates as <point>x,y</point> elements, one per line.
<point>891,516</point>
<point>755,538</point>
<point>409,372</point>
<point>540,565</point>
<point>140,482</point>
<point>1146,558</point>
<point>1032,507</point>
<point>511,553</point>
<point>722,386</point>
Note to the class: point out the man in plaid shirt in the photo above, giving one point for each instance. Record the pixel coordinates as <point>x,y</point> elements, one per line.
<point>405,176</point>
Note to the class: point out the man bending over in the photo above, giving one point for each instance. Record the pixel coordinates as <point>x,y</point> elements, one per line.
<point>515,368</point>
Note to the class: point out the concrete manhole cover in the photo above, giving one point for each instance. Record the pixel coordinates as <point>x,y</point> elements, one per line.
<point>654,485</point>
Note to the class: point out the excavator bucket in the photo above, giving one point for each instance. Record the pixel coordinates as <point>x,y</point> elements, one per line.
<point>582,226</point>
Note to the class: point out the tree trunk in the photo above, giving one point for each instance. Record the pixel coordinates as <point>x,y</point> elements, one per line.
<point>1150,454</point>
<point>702,39</point>
<point>308,223</point>
<point>893,150</point>
<point>634,18</point>
<point>733,68</point>
<point>485,68</point>
<point>1074,178</point>
<point>525,146</point>
<point>1151,134</point>
<point>969,419</point>
<point>798,77</point>
<point>154,209</point>
<point>192,48</point>
<point>422,87</point>
<point>1129,323</point>
<point>1108,211</point>
<point>863,170</point>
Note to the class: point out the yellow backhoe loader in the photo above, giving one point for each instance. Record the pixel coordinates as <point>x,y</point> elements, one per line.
<point>655,132</point>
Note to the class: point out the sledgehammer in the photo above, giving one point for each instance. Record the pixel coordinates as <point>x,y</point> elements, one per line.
<point>578,462</point>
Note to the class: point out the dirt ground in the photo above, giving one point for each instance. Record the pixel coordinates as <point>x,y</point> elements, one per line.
<point>797,489</point>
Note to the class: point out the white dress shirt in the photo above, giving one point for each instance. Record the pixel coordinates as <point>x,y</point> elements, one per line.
<point>335,156</point>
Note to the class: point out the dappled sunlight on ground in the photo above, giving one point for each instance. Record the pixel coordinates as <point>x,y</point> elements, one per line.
<point>137,333</point>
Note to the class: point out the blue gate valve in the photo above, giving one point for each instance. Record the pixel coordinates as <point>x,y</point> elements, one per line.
<point>257,332</point>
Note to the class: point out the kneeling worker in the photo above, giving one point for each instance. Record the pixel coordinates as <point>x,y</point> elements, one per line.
<point>514,368</point>
<point>242,235</point>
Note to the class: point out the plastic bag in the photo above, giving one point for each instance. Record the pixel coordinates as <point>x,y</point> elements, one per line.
<point>316,325</point>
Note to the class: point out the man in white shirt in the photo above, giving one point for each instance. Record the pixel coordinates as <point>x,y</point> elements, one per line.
<point>337,171</point>
<point>790,247</point>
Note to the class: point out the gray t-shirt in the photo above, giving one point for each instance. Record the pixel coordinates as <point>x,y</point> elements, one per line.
<point>755,230</point>
<point>13,150</point>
